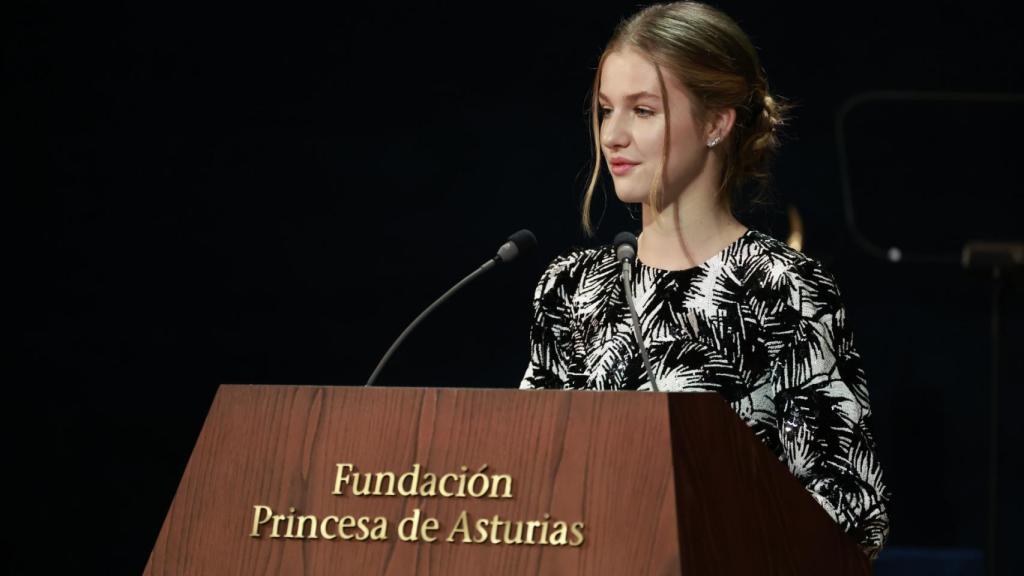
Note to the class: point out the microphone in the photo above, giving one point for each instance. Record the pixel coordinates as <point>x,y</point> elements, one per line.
<point>518,244</point>
<point>625,247</point>
<point>521,242</point>
<point>625,252</point>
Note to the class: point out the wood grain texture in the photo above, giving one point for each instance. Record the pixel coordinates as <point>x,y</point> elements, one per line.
<point>610,459</point>
<point>741,511</point>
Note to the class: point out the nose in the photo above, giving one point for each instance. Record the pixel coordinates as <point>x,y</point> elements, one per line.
<point>614,133</point>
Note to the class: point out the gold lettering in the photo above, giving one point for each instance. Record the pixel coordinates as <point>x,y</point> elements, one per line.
<point>495,482</point>
<point>277,520</point>
<point>429,526</point>
<point>577,531</point>
<point>341,477</point>
<point>429,487</point>
<point>364,489</point>
<point>413,476</point>
<point>391,484</point>
<point>323,528</point>
<point>495,525</point>
<point>544,529</point>
<point>347,523</point>
<point>408,528</point>
<point>312,527</point>
<point>518,538</point>
<point>364,529</point>
<point>462,483</point>
<point>380,530</point>
<point>530,526</point>
<point>257,522</point>
<point>481,531</point>
<point>558,534</point>
<point>461,525</point>
<point>443,488</point>
<point>479,478</point>
<point>291,520</point>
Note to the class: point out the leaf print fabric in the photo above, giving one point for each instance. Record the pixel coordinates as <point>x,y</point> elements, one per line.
<point>759,323</point>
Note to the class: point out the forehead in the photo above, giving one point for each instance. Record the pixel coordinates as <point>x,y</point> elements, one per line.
<point>626,72</point>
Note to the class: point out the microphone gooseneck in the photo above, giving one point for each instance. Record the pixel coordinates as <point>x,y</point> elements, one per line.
<point>518,244</point>
<point>625,252</point>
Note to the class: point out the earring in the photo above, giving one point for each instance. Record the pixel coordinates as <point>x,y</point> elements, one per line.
<point>713,142</point>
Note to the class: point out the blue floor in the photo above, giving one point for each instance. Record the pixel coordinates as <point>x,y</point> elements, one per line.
<point>895,561</point>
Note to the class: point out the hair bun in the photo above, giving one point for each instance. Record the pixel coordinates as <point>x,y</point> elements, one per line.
<point>771,112</point>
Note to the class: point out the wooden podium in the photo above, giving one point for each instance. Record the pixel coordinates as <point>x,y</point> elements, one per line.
<point>618,483</point>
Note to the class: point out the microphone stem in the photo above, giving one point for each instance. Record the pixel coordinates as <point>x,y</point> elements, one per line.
<point>627,281</point>
<point>401,337</point>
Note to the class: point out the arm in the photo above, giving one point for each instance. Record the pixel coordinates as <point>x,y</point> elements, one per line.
<point>822,411</point>
<point>550,331</point>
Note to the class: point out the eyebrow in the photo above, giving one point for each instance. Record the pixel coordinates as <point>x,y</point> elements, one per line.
<point>634,96</point>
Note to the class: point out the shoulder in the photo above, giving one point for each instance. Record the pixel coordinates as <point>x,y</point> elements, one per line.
<point>784,257</point>
<point>577,262</point>
<point>801,281</point>
<point>565,272</point>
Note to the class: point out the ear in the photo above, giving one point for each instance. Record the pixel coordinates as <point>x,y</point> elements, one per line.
<point>719,124</point>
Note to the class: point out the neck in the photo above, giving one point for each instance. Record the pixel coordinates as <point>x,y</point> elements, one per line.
<point>687,232</point>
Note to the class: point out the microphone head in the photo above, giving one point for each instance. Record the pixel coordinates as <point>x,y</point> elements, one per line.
<point>521,242</point>
<point>524,240</point>
<point>625,246</point>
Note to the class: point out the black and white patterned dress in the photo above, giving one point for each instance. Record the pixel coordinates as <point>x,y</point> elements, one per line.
<point>759,323</point>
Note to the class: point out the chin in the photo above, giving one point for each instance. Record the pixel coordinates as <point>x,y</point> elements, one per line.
<point>632,196</point>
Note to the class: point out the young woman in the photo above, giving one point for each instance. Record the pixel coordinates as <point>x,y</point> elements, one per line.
<point>684,121</point>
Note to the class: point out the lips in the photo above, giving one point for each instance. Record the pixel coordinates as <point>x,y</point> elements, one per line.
<point>622,167</point>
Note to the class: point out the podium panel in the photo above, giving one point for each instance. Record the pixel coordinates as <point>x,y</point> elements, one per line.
<point>393,481</point>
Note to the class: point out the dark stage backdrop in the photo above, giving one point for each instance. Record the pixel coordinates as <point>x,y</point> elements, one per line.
<point>208,194</point>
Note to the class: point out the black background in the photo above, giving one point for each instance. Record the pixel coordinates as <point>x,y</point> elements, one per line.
<point>216,194</point>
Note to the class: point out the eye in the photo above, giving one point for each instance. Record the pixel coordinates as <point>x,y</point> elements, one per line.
<point>641,112</point>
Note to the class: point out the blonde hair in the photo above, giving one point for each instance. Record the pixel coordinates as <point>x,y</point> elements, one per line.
<point>716,62</point>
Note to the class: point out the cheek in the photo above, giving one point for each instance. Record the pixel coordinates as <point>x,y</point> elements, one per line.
<point>650,138</point>
<point>684,134</point>
<point>686,154</point>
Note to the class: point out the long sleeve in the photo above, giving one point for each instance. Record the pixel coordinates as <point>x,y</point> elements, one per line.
<point>550,331</point>
<point>822,411</point>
